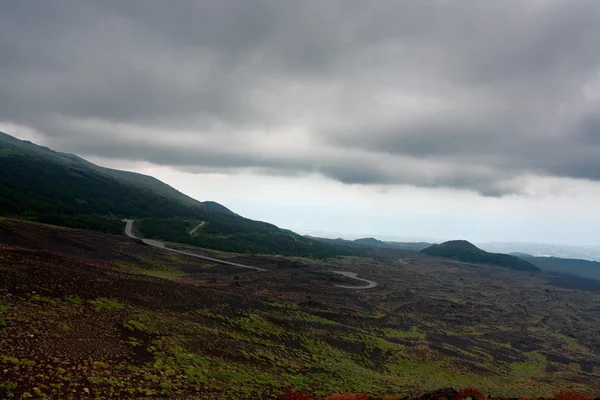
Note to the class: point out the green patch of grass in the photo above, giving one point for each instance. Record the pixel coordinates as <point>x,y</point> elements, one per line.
<point>2,320</point>
<point>215,375</point>
<point>303,316</point>
<point>533,365</point>
<point>136,325</point>
<point>471,331</point>
<point>95,380</point>
<point>205,313</point>
<point>40,299</point>
<point>150,267</point>
<point>412,333</point>
<point>100,365</point>
<point>280,304</point>
<point>568,342</point>
<point>8,385</point>
<point>133,342</point>
<point>166,385</point>
<point>472,353</point>
<point>497,344</point>
<point>458,350</point>
<point>102,303</point>
<point>74,299</point>
<point>256,324</point>
<point>10,360</point>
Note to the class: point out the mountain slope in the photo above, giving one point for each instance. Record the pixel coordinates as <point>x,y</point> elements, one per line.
<point>375,243</point>
<point>63,189</point>
<point>462,250</point>
<point>14,150</point>
<point>583,268</point>
<point>37,180</point>
<point>141,181</point>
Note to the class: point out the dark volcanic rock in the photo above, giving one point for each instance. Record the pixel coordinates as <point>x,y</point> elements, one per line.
<point>448,393</point>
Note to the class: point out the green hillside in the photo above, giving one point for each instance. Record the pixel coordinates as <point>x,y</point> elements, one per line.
<point>37,181</point>
<point>375,244</point>
<point>143,182</point>
<point>583,268</point>
<point>42,185</point>
<point>369,241</point>
<point>462,250</point>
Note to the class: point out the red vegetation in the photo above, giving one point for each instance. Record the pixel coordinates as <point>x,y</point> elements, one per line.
<point>291,395</point>
<point>347,396</point>
<point>568,395</point>
<point>471,392</point>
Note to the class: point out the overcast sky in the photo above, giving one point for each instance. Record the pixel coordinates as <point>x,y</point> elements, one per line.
<point>438,119</point>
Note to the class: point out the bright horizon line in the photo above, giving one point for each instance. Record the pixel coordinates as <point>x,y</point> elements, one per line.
<point>413,239</point>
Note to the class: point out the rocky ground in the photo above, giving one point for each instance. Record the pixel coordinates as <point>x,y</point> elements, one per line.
<point>86,315</point>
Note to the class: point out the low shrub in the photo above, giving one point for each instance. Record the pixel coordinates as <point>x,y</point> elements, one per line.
<point>347,396</point>
<point>291,395</point>
<point>568,395</point>
<point>102,303</point>
<point>471,392</point>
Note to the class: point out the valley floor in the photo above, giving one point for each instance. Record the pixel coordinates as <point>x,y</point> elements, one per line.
<point>86,315</point>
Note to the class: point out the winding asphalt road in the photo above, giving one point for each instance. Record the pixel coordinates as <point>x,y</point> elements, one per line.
<point>353,275</point>
<point>161,245</point>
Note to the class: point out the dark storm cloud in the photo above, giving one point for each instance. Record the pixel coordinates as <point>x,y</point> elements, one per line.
<point>469,94</point>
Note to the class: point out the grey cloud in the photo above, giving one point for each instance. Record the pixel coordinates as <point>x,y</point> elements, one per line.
<point>471,95</point>
<point>347,168</point>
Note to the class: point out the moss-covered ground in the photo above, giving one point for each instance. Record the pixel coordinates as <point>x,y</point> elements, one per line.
<point>85,315</point>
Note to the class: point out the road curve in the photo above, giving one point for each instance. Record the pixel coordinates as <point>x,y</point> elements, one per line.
<point>353,275</point>
<point>161,245</point>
